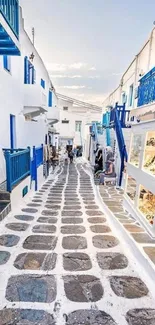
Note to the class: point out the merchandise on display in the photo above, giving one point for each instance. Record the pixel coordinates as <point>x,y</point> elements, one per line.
<point>136,150</point>
<point>147,204</point>
<point>131,188</point>
<point>149,155</point>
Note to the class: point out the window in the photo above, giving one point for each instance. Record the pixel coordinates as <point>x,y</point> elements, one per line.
<point>78,126</point>
<point>50,98</point>
<point>65,108</point>
<point>42,83</point>
<point>124,98</point>
<point>7,63</point>
<point>65,121</point>
<point>29,72</point>
<point>131,95</point>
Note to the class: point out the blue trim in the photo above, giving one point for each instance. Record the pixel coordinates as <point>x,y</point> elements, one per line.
<point>33,75</point>
<point>12,131</point>
<point>50,98</point>
<point>10,11</point>
<point>42,82</point>
<point>6,63</point>
<point>26,70</point>
<point>131,95</point>
<point>106,123</point>
<point>29,72</point>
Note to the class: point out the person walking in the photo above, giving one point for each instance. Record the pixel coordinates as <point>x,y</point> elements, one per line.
<point>71,156</point>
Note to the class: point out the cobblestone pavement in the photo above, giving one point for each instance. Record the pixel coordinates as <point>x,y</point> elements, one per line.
<point>113,197</point>
<point>61,264</point>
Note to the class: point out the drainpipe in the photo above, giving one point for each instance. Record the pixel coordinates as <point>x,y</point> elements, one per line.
<point>135,80</point>
<point>150,50</point>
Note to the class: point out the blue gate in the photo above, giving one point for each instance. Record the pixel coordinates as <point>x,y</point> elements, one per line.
<point>36,161</point>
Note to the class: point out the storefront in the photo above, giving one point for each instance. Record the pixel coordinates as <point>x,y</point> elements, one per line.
<point>139,198</point>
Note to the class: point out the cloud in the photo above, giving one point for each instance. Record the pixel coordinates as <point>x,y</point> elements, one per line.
<point>94,77</point>
<point>92,69</point>
<point>59,67</point>
<point>65,67</point>
<point>62,76</point>
<point>73,87</point>
<point>77,65</point>
<point>74,77</point>
<point>117,73</point>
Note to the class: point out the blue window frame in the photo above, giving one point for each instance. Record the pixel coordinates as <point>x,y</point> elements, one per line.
<point>50,98</point>
<point>7,63</point>
<point>42,83</point>
<point>131,95</point>
<point>124,98</point>
<point>29,72</point>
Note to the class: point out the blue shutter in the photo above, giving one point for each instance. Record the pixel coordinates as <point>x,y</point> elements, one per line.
<point>29,73</point>
<point>6,62</point>
<point>25,70</point>
<point>33,75</point>
<point>50,98</point>
<point>42,83</point>
<point>131,95</point>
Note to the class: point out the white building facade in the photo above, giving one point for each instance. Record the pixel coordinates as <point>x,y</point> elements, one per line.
<point>75,118</point>
<point>29,105</point>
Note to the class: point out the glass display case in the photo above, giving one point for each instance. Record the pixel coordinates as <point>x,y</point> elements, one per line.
<point>131,188</point>
<point>149,153</point>
<point>146,204</point>
<point>136,146</point>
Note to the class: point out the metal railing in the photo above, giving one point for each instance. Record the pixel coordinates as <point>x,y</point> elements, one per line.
<point>17,166</point>
<point>37,160</point>
<point>39,155</point>
<point>146,89</point>
<point>10,11</point>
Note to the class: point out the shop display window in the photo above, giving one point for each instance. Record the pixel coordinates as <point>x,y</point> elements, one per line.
<point>149,154</point>
<point>147,204</point>
<point>136,150</point>
<point>131,188</point>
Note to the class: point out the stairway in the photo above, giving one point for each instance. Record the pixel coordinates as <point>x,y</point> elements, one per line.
<point>5,204</point>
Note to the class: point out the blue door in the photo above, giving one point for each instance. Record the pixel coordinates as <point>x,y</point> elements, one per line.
<point>12,131</point>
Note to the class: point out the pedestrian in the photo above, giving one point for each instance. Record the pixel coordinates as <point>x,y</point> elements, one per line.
<point>109,173</point>
<point>71,155</point>
<point>66,157</point>
<point>99,162</point>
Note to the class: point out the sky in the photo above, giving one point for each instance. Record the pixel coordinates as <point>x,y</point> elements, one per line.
<point>86,45</point>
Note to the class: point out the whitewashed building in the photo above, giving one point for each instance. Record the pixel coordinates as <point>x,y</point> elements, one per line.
<point>29,108</point>
<point>75,119</point>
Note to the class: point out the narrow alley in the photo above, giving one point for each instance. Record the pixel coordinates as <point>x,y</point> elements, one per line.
<point>62,264</point>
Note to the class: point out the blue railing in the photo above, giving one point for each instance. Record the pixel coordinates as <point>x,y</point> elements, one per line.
<point>120,141</point>
<point>10,11</point>
<point>123,116</point>
<point>146,89</point>
<point>39,155</point>
<point>37,160</point>
<point>17,166</point>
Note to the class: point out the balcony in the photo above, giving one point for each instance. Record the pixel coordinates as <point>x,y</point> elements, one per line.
<point>35,100</point>
<point>9,27</point>
<point>143,113</point>
<point>53,115</point>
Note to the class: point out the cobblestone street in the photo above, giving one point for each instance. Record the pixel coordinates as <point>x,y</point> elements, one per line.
<point>62,264</point>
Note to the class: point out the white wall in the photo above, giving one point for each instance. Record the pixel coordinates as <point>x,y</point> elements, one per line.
<point>74,114</point>
<point>12,88</point>
<point>142,63</point>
